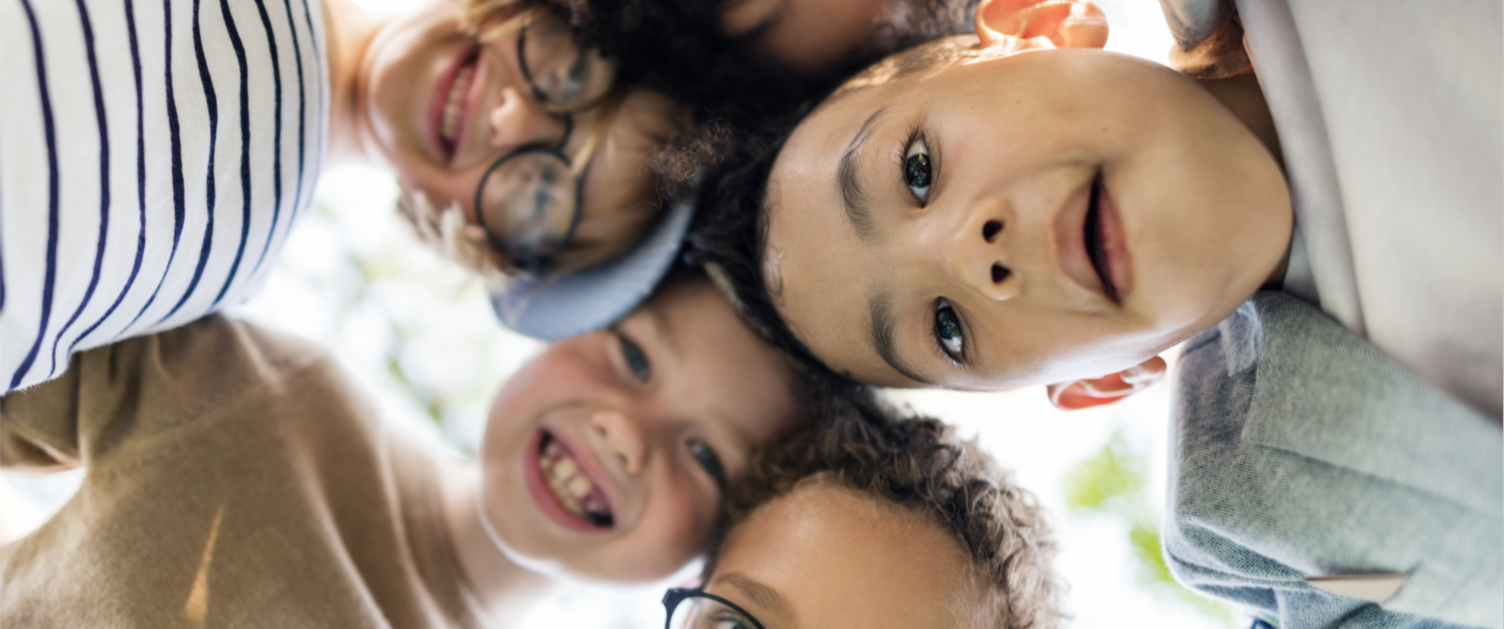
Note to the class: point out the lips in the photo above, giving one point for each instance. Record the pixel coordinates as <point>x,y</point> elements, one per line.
<point>1092,237</point>
<point>563,488</point>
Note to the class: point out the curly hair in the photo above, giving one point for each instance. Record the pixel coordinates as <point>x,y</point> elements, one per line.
<point>920,465</point>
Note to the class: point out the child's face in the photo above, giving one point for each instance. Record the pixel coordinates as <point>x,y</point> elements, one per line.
<point>605,456</point>
<point>440,107</point>
<point>826,556</point>
<point>1030,219</point>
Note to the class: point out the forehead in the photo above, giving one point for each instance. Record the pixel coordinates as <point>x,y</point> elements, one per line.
<point>819,272</point>
<point>722,371</point>
<point>841,558</point>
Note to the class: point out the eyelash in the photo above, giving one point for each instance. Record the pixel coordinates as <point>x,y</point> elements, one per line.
<point>958,356</point>
<point>714,466</point>
<point>927,161</point>
<point>636,361</point>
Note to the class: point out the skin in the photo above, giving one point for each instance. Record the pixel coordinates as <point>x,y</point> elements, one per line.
<point>1196,218</point>
<point>825,555</point>
<point>387,72</point>
<point>711,382</point>
<point>810,39</point>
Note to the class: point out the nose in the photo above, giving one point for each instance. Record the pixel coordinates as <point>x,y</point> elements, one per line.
<point>518,119</point>
<point>979,256</point>
<point>623,436</point>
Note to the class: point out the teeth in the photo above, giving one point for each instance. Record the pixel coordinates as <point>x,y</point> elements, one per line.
<point>573,490</point>
<point>579,487</point>
<point>449,124</point>
<point>564,469</point>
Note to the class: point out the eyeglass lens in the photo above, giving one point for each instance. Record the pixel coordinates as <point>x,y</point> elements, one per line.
<point>698,612</point>
<point>562,73</point>
<point>531,197</point>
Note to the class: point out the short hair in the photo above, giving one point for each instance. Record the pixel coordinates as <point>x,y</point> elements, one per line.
<point>731,228</point>
<point>920,465</point>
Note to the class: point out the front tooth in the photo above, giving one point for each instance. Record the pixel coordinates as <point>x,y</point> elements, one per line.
<point>579,487</point>
<point>564,469</point>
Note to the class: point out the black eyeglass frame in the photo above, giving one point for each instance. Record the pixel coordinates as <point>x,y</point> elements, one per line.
<point>535,262</point>
<point>674,596</point>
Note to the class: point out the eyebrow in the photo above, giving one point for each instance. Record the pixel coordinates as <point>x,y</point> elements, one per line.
<point>854,198</point>
<point>763,596</point>
<point>881,329</point>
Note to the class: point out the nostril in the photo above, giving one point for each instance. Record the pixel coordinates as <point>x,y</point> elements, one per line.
<point>1000,273</point>
<point>991,229</point>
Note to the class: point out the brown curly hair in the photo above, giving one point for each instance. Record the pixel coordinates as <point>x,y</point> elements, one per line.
<point>919,464</point>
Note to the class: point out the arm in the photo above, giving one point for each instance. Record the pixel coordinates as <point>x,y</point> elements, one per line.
<point>130,395</point>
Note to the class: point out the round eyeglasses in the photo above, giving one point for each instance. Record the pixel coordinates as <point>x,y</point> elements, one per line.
<point>529,201</point>
<point>695,609</point>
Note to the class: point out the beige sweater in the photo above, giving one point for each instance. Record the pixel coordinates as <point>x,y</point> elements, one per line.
<point>235,479</point>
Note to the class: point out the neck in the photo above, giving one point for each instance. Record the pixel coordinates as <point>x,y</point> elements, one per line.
<point>506,590</point>
<point>1242,96</point>
<point>349,29</point>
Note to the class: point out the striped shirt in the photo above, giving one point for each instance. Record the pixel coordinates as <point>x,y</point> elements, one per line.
<point>154,154</point>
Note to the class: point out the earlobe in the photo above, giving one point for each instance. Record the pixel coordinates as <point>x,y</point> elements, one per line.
<point>1081,394</point>
<point>1035,24</point>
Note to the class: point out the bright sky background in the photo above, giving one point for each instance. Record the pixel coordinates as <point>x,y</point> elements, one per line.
<point>352,277</point>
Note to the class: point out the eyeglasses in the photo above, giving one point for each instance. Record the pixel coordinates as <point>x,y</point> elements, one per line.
<point>528,202</point>
<point>695,609</point>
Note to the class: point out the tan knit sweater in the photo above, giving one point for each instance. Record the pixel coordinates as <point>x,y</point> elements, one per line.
<point>235,479</point>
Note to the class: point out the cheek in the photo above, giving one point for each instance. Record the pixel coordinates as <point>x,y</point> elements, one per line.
<point>671,532</point>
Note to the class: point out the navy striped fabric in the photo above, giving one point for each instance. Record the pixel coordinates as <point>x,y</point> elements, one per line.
<point>153,156</point>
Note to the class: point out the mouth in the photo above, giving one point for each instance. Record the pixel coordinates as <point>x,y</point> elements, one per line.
<point>450,102</point>
<point>1093,240</point>
<point>569,486</point>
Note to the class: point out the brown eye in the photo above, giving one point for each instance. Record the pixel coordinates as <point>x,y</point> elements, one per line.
<point>636,360</point>
<point>948,329</point>
<point>917,170</point>
<point>709,461</point>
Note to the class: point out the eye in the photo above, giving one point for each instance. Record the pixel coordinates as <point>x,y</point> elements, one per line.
<point>916,170</point>
<point>708,460</point>
<point>636,360</point>
<point>948,329</point>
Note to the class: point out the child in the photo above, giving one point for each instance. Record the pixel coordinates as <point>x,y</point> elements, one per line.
<point>234,476</point>
<point>877,524</point>
<point>135,132</point>
<point>963,216</point>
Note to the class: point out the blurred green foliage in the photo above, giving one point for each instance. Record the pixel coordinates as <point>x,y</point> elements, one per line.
<point>1111,484</point>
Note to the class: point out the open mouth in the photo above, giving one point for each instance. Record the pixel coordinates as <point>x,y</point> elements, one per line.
<point>1092,236</point>
<point>450,116</point>
<point>570,486</point>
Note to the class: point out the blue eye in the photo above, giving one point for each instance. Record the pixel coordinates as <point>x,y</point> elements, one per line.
<point>948,329</point>
<point>709,461</point>
<point>636,360</point>
<point>917,169</point>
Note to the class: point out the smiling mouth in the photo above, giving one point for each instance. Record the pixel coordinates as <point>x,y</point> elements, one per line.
<point>450,116</point>
<point>1092,236</point>
<point>574,491</point>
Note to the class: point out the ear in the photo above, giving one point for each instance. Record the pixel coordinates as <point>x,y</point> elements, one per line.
<point>1080,394</point>
<point>1041,24</point>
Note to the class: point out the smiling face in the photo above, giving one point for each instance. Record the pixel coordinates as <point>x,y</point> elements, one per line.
<point>825,555</point>
<point>605,456</point>
<point>1029,219</point>
<point>440,106</point>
